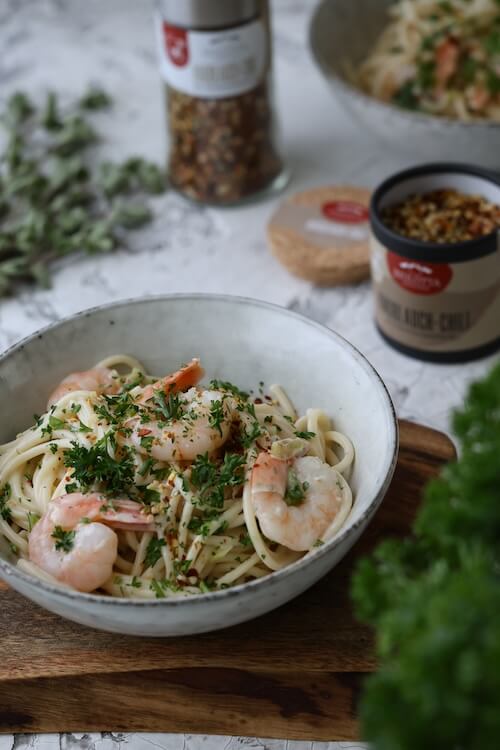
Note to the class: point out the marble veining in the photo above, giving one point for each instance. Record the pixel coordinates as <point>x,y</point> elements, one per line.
<point>64,45</point>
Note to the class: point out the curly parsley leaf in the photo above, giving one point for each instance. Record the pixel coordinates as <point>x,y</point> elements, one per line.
<point>434,600</point>
<point>153,551</point>
<point>96,465</point>
<point>64,540</point>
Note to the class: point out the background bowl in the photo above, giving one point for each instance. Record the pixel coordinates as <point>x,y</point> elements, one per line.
<point>240,340</point>
<point>345,31</point>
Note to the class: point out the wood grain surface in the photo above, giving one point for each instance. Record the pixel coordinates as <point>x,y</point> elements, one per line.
<point>294,673</point>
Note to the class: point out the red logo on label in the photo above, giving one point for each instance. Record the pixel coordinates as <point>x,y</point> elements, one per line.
<point>417,276</point>
<point>347,212</point>
<point>176,44</point>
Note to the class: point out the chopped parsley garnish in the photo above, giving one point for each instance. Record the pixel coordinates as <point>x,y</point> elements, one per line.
<point>53,448</point>
<point>135,583</point>
<point>5,511</point>
<point>159,588</point>
<point>53,423</point>
<point>203,471</point>
<point>182,567</point>
<point>231,471</point>
<point>151,496</point>
<point>96,465</point>
<point>147,442</point>
<point>64,540</point>
<point>168,407</point>
<point>245,540</point>
<point>32,519</point>
<point>250,436</point>
<point>199,525</point>
<point>305,435</point>
<point>211,479</point>
<point>153,552</point>
<point>224,385</point>
<point>146,467</point>
<point>116,409</point>
<point>295,490</point>
<point>405,97</point>
<point>206,586</point>
<point>216,415</point>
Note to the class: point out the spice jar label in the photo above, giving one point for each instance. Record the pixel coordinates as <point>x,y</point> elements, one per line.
<point>436,307</point>
<point>212,64</point>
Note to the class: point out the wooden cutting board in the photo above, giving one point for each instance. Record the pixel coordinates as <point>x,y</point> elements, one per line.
<point>294,673</point>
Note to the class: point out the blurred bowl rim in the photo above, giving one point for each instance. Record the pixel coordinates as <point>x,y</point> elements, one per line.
<point>420,118</point>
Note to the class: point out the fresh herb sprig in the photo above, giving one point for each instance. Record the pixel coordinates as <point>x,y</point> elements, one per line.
<point>434,600</point>
<point>211,480</point>
<point>63,540</point>
<point>153,551</point>
<point>96,465</point>
<point>52,203</point>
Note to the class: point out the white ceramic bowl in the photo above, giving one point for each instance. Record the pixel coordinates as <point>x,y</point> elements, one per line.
<point>240,340</point>
<point>345,30</point>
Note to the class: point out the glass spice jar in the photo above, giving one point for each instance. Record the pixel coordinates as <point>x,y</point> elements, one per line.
<point>215,59</point>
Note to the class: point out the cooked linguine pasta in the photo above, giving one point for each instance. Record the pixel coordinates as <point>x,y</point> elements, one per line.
<point>439,57</point>
<point>145,487</point>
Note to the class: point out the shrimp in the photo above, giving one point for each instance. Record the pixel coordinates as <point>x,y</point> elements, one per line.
<point>184,378</point>
<point>74,543</point>
<point>202,425</point>
<point>99,379</point>
<point>447,56</point>
<point>295,500</point>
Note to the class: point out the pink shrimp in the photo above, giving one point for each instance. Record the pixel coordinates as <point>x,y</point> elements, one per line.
<point>74,543</point>
<point>447,55</point>
<point>295,500</point>
<point>99,379</point>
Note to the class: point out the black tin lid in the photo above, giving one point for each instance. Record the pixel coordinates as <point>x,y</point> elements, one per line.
<point>429,251</point>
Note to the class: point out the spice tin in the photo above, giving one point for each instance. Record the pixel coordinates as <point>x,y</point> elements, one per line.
<point>215,59</point>
<point>434,301</point>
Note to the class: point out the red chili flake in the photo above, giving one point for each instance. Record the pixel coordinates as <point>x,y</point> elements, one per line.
<point>192,573</point>
<point>143,432</point>
<point>258,401</point>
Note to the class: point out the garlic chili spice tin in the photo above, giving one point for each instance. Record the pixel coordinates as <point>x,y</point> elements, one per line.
<point>438,301</point>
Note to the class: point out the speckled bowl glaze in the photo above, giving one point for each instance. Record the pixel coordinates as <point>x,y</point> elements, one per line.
<point>240,340</point>
<point>345,30</point>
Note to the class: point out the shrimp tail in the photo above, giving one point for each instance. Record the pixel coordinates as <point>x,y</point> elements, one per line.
<point>125,514</point>
<point>179,381</point>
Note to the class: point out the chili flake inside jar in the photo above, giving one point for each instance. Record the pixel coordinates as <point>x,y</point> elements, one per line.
<point>215,59</point>
<point>444,216</point>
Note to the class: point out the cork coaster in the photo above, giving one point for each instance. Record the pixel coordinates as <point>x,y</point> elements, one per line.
<point>322,235</point>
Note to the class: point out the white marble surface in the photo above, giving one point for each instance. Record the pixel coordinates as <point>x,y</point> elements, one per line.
<point>65,44</point>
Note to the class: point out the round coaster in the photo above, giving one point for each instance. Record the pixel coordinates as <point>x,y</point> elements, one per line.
<point>323,234</point>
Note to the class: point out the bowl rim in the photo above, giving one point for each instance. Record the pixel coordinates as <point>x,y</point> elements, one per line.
<point>408,116</point>
<point>9,570</point>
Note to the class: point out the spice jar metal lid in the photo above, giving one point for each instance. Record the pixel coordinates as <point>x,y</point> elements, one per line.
<point>322,234</point>
<point>208,14</point>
